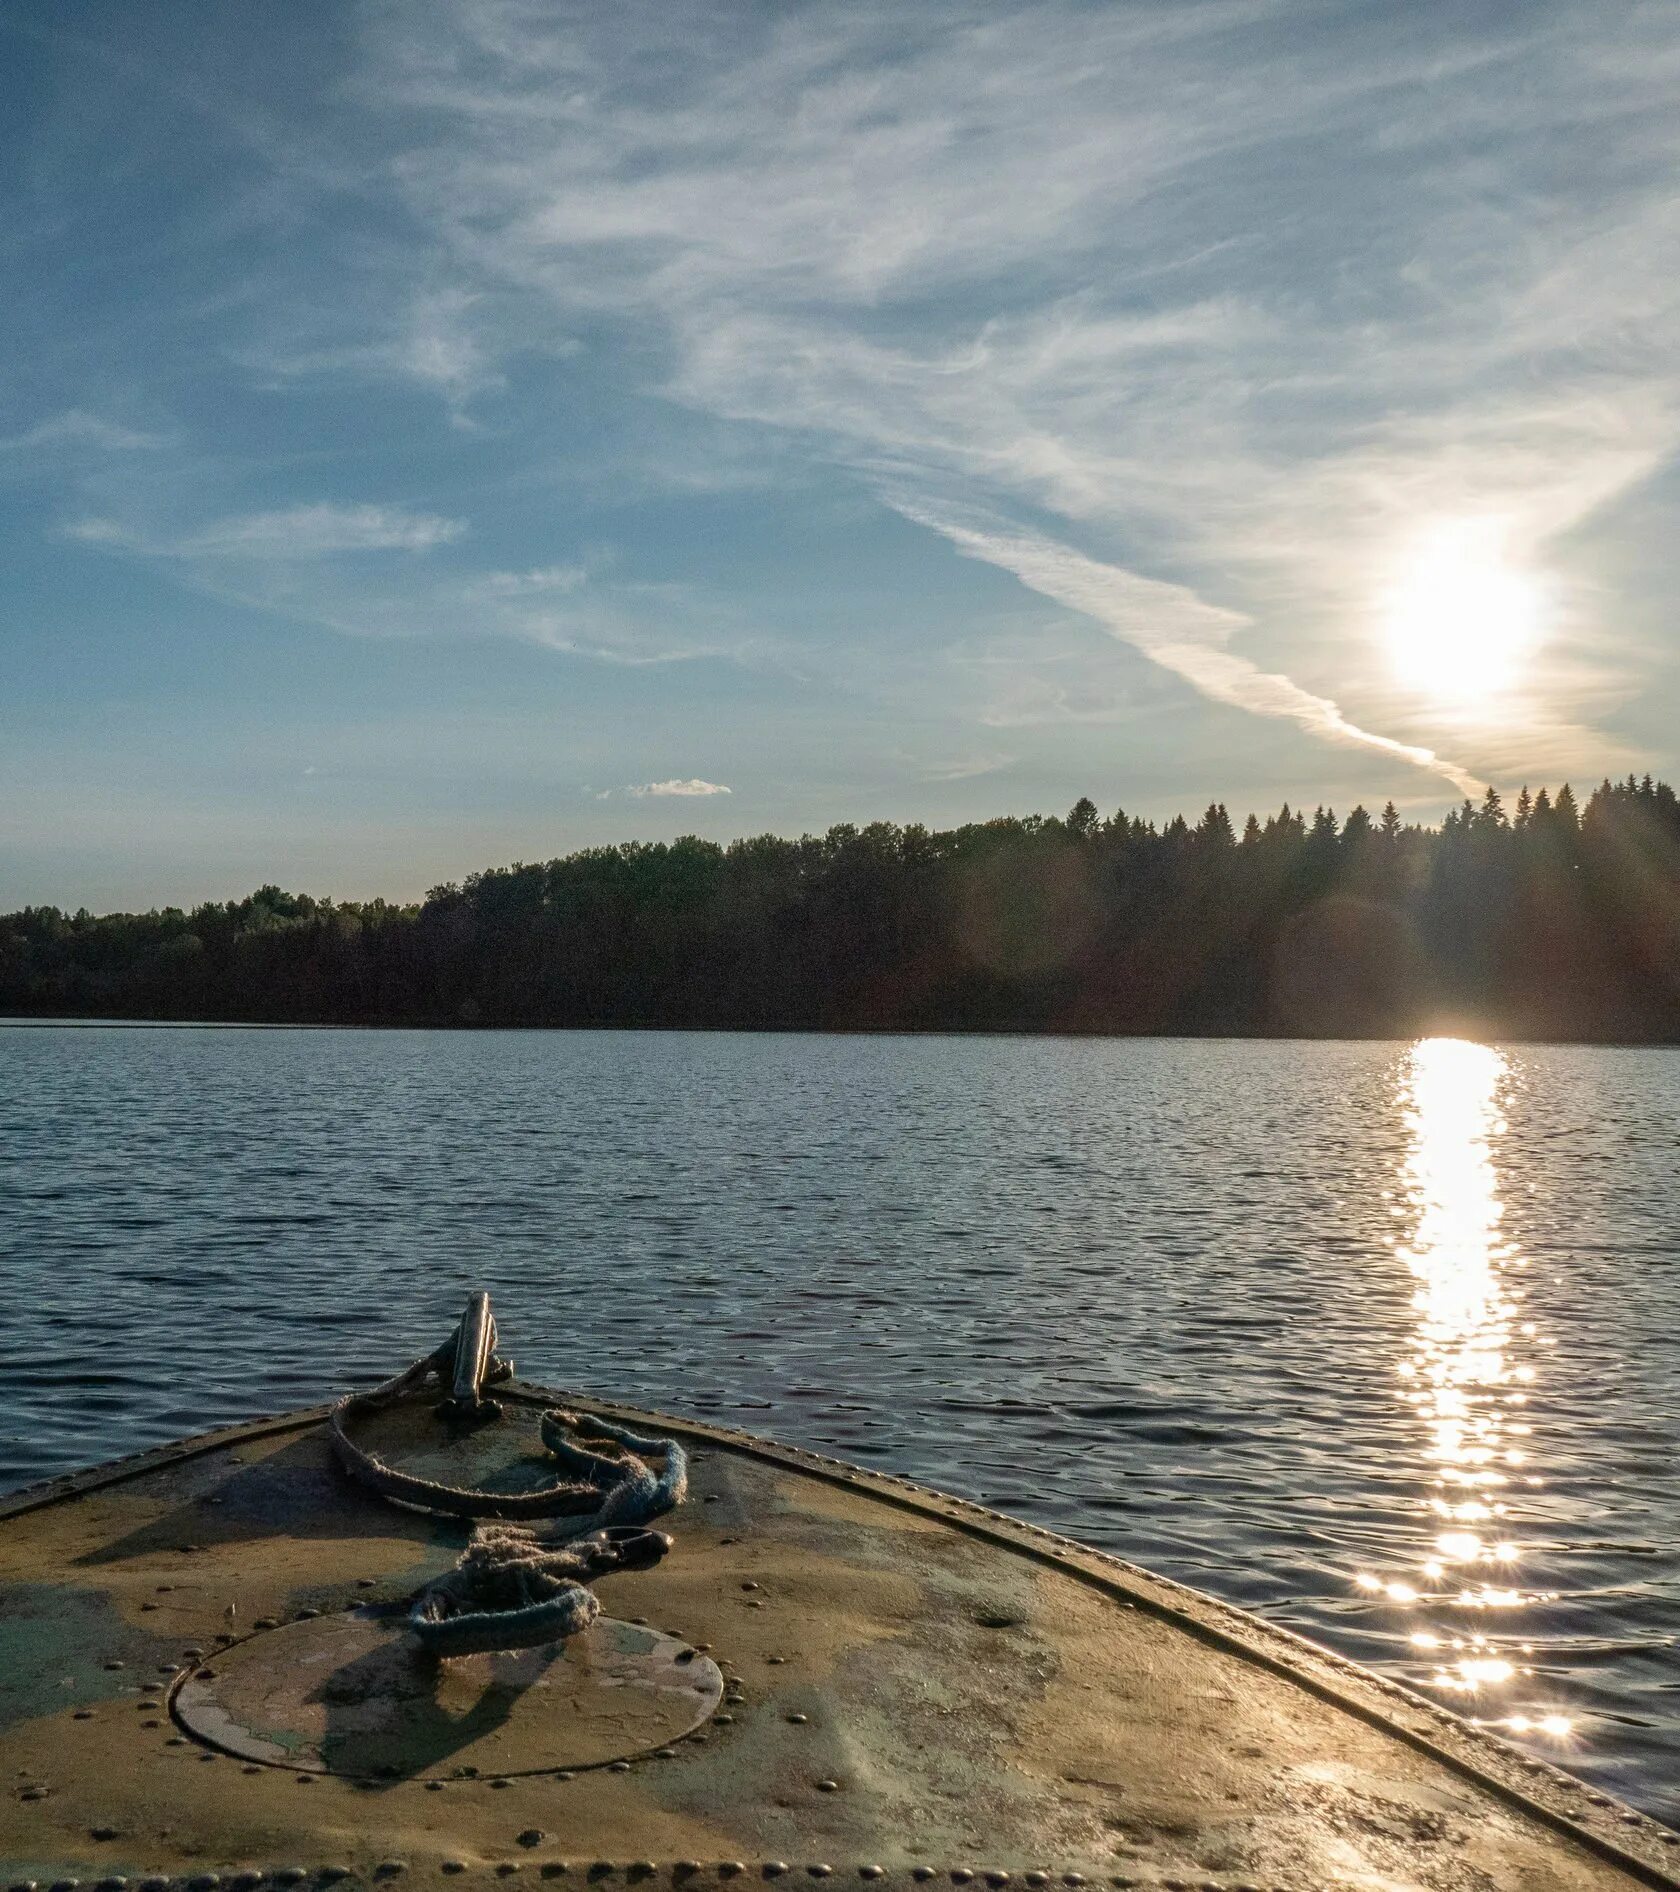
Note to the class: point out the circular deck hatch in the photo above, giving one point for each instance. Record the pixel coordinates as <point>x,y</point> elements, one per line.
<point>352,1694</point>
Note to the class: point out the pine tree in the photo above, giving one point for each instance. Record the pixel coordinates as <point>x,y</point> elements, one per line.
<point>1214,828</point>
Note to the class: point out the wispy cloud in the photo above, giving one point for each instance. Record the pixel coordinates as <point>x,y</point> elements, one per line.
<point>692,786</point>
<point>291,533</point>
<point>430,335</point>
<point>75,427</point>
<point>308,563</point>
<point>441,346</point>
<point>542,581</point>
<point>96,530</point>
<point>320,531</point>
<point>968,769</point>
<point>1239,297</point>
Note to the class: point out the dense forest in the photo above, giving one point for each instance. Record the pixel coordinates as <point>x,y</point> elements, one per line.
<point>1545,920</point>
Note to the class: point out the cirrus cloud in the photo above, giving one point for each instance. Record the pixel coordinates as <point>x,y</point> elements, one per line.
<point>76,427</point>
<point>290,533</point>
<point>319,531</point>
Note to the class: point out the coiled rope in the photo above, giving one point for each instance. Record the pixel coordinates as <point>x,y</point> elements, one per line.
<point>513,1588</point>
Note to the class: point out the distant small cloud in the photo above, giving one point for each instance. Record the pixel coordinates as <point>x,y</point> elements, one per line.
<point>78,428</point>
<point>319,530</point>
<point>693,786</point>
<point>547,579</point>
<point>966,771</point>
<point>99,532</point>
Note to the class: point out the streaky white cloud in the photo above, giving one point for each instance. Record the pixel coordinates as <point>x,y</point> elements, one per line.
<point>76,427</point>
<point>692,786</point>
<point>1176,629</point>
<point>538,582</point>
<point>286,535</point>
<point>319,531</point>
<point>301,563</point>
<point>968,769</point>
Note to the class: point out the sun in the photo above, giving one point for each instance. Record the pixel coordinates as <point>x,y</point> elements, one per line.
<point>1461,616</point>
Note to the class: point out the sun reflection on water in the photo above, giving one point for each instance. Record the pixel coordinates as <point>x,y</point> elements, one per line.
<point>1466,1382</point>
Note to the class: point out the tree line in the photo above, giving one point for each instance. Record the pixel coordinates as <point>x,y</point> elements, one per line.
<point>1547,920</point>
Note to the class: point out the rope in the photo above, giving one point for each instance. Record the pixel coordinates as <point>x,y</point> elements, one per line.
<point>633,1492</point>
<point>511,1588</point>
<point>510,1591</point>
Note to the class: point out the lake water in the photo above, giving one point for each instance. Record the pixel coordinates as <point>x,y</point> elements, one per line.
<point>1381,1341</point>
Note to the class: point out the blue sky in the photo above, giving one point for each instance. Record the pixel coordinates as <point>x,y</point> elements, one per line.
<point>436,436</point>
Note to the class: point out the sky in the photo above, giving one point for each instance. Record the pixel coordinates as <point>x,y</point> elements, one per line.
<point>432,437</point>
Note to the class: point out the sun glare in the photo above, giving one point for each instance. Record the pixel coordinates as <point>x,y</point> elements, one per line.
<point>1456,1380</point>
<point>1461,615</point>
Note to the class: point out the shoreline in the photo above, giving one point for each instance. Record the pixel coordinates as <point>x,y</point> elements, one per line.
<point>1444,1029</point>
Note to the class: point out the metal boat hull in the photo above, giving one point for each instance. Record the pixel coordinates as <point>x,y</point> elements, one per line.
<point>908,1689</point>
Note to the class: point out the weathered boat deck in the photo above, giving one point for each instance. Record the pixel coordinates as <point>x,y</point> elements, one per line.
<point>907,1689</point>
